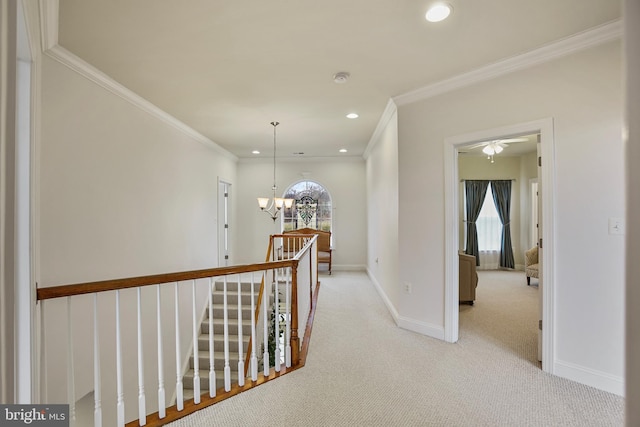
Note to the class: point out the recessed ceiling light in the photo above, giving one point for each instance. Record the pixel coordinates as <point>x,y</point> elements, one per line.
<point>438,12</point>
<point>255,152</point>
<point>352,116</point>
<point>343,150</point>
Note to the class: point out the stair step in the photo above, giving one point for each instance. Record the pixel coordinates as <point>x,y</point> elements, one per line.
<point>232,297</point>
<point>218,341</point>
<point>203,359</point>
<point>232,285</point>
<point>232,311</point>
<point>218,327</point>
<point>187,381</point>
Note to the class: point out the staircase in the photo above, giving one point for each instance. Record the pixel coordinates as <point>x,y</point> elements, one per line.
<point>218,334</point>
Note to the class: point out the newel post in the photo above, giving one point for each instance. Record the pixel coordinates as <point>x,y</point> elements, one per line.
<point>295,341</point>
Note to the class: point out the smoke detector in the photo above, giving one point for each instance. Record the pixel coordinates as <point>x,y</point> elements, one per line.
<point>341,77</point>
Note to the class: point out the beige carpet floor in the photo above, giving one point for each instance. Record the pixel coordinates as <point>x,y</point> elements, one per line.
<point>362,370</point>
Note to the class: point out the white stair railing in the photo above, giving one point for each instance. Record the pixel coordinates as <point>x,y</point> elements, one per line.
<point>142,405</point>
<point>212,370</point>
<point>121,399</point>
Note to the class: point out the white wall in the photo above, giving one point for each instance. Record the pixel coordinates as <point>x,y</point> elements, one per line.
<point>582,93</point>
<point>122,194</point>
<point>120,187</point>
<point>382,208</point>
<point>343,177</point>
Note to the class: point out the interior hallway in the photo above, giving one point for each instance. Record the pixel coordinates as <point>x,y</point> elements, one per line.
<point>362,370</point>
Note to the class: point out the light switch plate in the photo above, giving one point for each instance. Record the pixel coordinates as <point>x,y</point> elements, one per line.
<point>616,226</point>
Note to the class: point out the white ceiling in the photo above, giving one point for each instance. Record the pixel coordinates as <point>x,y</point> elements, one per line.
<point>227,68</point>
<point>526,144</point>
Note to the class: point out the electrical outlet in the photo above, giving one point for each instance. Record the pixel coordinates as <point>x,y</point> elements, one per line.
<point>616,226</point>
<point>407,287</point>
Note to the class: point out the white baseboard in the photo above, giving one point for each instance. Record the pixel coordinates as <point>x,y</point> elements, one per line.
<point>413,325</point>
<point>383,295</point>
<point>422,328</point>
<point>345,267</point>
<point>591,377</point>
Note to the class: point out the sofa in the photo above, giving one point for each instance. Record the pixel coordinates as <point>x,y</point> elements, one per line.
<point>467,277</point>
<point>531,265</point>
<point>323,242</point>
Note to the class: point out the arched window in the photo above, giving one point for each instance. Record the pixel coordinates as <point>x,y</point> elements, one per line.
<point>311,207</point>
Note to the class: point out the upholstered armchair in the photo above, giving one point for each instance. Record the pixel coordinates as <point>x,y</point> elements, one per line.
<point>531,264</point>
<point>468,278</point>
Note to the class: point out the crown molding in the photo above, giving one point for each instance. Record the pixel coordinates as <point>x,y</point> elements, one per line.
<point>303,159</point>
<point>83,68</point>
<point>580,41</point>
<point>387,114</point>
<point>49,23</point>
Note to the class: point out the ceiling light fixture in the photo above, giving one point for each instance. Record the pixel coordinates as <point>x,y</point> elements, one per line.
<point>352,116</point>
<point>255,152</point>
<point>341,77</point>
<point>343,150</point>
<point>273,206</point>
<point>491,149</point>
<point>438,12</point>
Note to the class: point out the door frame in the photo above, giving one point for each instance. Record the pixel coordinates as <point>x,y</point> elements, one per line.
<point>224,215</point>
<point>547,181</point>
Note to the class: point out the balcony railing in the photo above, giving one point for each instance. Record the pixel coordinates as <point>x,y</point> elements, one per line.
<point>149,350</point>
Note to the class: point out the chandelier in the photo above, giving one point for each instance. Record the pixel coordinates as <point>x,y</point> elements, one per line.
<point>274,205</point>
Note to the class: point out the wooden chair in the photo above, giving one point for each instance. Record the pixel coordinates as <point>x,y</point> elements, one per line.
<point>324,244</point>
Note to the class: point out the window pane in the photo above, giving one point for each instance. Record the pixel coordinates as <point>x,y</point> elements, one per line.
<point>311,208</point>
<point>488,225</point>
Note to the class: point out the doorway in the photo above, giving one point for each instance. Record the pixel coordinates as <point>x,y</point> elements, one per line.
<point>452,235</point>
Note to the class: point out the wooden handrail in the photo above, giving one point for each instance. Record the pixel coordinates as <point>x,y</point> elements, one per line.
<point>157,279</point>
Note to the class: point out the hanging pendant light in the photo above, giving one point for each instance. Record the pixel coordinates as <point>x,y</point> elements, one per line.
<point>274,205</point>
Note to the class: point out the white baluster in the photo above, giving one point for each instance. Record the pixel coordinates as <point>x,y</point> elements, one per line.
<point>265,309</point>
<point>287,351</point>
<point>240,339</point>
<point>179,386</point>
<point>71,387</point>
<point>142,404</point>
<point>212,371</point>
<point>196,358</point>
<point>162,412</point>
<point>97,409</point>
<point>43,356</point>
<point>120,398</point>
<point>276,328</point>
<point>254,359</point>
<point>227,368</point>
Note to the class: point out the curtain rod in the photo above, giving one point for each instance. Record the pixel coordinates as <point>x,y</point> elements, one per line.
<point>499,179</point>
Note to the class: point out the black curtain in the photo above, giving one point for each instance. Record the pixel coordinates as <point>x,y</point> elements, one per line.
<point>475,192</point>
<point>502,199</point>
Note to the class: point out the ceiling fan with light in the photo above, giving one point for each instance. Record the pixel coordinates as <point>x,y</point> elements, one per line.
<point>495,146</point>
